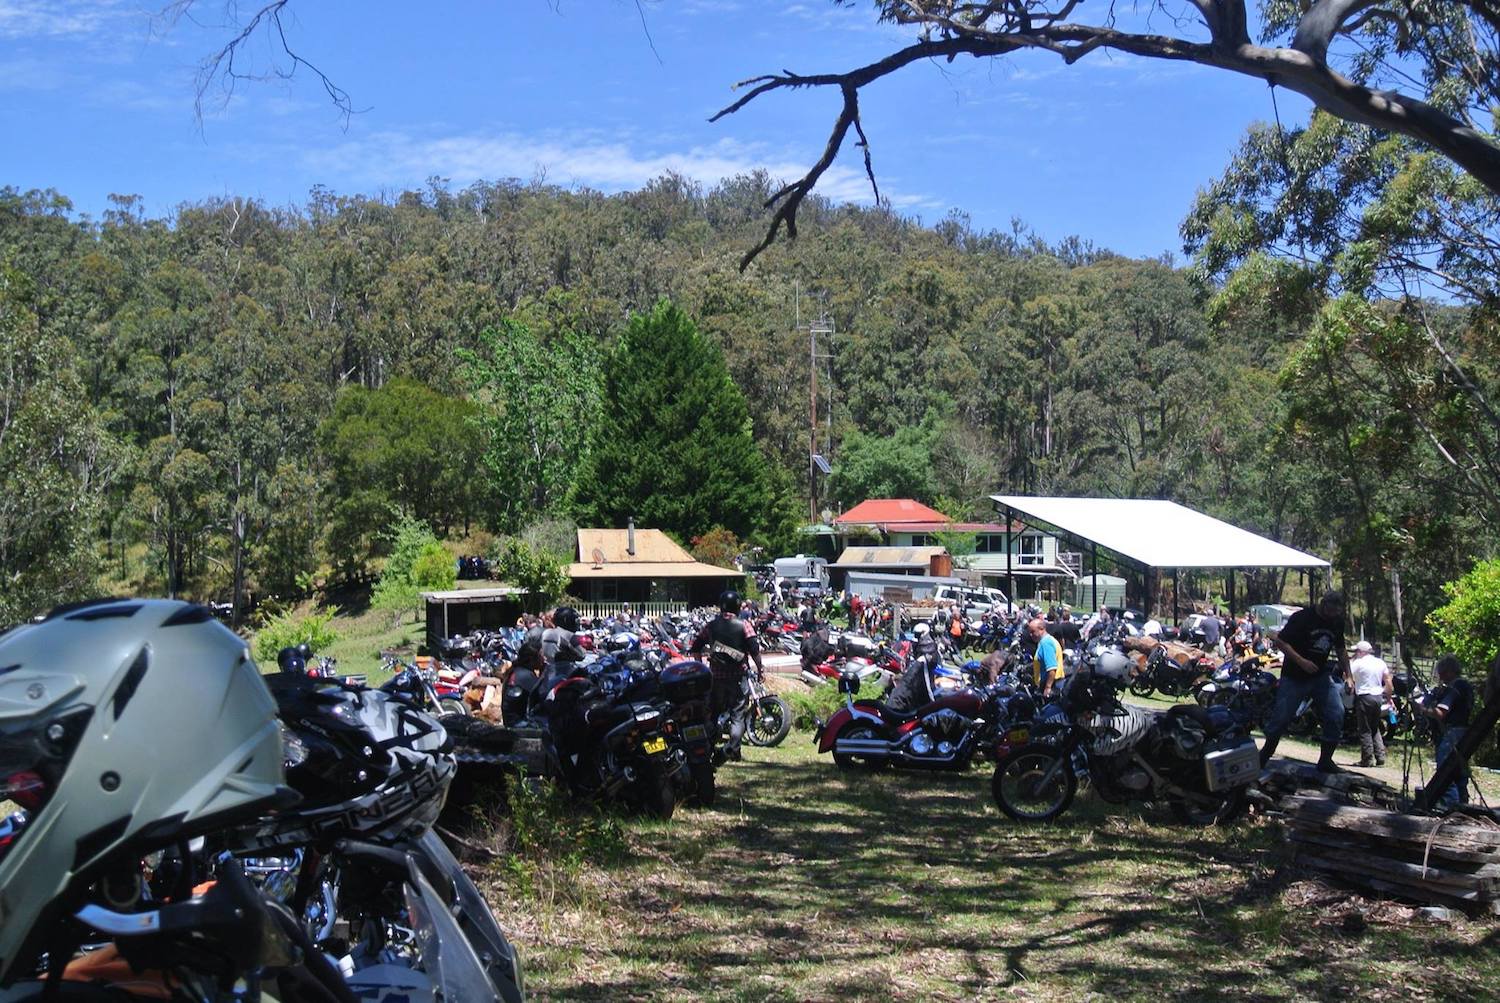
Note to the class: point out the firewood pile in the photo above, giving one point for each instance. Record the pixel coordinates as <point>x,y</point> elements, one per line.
<point>1453,861</point>
<point>1288,780</point>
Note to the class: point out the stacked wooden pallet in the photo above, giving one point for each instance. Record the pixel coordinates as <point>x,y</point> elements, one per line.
<point>1452,861</point>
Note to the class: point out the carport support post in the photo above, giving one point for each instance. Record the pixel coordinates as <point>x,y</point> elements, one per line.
<point>1010,578</point>
<point>446,635</point>
<point>1094,570</point>
<point>1176,609</point>
<point>1231,593</point>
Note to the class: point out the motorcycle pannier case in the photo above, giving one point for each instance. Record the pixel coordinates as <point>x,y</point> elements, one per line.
<point>1232,767</point>
<point>686,681</point>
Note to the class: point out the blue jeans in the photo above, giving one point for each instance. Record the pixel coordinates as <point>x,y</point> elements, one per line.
<point>1457,792</point>
<point>1327,698</point>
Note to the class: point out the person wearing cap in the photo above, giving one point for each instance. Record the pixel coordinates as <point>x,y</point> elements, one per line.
<point>1311,640</point>
<point>1373,686</point>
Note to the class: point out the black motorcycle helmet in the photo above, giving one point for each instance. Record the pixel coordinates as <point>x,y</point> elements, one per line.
<point>566,617</point>
<point>729,601</point>
<point>292,661</point>
<point>305,650</point>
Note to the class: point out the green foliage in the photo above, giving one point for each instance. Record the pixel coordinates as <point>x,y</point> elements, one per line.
<point>54,462</point>
<point>549,836</point>
<point>418,561</point>
<point>541,573</point>
<point>288,630</point>
<point>1469,623</point>
<point>880,466</point>
<point>814,705</point>
<point>403,448</point>
<point>538,401</point>
<point>673,443</point>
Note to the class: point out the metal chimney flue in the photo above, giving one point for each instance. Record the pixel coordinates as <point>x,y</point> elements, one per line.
<point>630,536</point>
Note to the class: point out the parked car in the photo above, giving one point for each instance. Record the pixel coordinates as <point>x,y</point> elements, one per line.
<point>974,598</point>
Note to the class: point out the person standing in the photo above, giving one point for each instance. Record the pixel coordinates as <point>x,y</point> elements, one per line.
<point>1373,685</point>
<point>1311,641</point>
<point>1450,706</point>
<point>732,647</point>
<point>1211,631</point>
<point>1047,668</point>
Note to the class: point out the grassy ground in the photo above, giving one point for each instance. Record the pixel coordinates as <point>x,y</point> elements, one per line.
<point>808,884</point>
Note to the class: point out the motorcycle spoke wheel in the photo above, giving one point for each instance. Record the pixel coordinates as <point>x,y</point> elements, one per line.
<point>770,722</point>
<point>1142,687</point>
<point>1023,790</point>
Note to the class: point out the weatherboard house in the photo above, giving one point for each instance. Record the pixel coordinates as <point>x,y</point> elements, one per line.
<point>641,566</point>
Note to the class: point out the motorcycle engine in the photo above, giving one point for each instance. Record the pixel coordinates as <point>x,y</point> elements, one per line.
<point>946,723</point>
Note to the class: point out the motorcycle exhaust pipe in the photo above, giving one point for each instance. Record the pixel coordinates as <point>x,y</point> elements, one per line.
<point>862,747</point>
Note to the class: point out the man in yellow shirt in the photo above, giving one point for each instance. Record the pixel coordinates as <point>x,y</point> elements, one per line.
<point>1047,664</point>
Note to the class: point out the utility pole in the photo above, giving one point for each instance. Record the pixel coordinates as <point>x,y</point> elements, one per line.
<point>820,326</point>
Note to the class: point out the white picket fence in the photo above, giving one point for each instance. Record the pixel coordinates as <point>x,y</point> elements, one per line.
<point>598,610</point>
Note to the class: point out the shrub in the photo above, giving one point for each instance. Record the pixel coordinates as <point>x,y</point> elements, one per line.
<point>1469,625</point>
<point>288,630</point>
<point>413,547</point>
<point>813,705</point>
<point>546,837</point>
<point>434,569</point>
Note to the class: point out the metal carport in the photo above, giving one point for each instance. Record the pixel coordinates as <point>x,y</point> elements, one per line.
<point>1152,534</point>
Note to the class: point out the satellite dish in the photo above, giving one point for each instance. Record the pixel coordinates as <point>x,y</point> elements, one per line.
<point>598,557</point>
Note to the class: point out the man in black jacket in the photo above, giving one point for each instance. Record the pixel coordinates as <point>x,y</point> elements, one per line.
<point>731,647</point>
<point>1312,643</point>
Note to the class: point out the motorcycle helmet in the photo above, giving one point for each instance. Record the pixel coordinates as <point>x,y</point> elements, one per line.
<point>291,661</point>
<point>1113,664</point>
<point>566,617</point>
<point>729,601</point>
<point>305,650</point>
<point>106,767</point>
<point>367,764</point>
<point>921,630</point>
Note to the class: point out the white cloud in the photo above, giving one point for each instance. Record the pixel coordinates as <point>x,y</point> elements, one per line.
<point>396,158</point>
<point>60,18</point>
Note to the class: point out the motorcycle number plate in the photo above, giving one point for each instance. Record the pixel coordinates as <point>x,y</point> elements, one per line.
<point>694,732</point>
<point>654,745</point>
<point>1017,735</point>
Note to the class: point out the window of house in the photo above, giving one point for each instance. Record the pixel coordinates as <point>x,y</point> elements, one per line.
<point>1031,549</point>
<point>989,543</point>
<point>923,540</point>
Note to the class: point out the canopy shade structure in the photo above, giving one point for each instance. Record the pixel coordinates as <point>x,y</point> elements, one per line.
<point>1158,534</point>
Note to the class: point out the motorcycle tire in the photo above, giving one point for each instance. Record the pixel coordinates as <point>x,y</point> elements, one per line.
<point>452,707</point>
<point>705,791</point>
<point>1016,775</point>
<point>770,722</point>
<point>857,729</point>
<point>1142,686</point>
<point>654,789</point>
<point>1228,811</point>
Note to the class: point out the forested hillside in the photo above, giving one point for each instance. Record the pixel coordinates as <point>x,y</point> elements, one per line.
<point>248,394</point>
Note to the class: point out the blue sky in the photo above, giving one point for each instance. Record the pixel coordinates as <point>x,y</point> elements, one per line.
<point>96,97</point>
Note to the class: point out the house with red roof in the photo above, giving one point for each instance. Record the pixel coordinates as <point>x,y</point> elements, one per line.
<point>907,528</point>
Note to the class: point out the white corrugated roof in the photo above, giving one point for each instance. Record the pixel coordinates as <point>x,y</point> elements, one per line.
<point>1159,534</point>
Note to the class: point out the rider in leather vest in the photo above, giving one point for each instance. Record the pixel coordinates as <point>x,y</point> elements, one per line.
<point>731,648</point>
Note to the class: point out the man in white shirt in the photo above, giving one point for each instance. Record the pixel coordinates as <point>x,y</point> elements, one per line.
<point>1371,679</point>
<point>1152,627</point>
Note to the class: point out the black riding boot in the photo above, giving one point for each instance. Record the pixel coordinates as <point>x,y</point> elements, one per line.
<point>1268,750</point>
<point>1325,761</point>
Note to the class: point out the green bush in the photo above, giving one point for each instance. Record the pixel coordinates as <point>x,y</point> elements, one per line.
<point>417,561</point>
<point>1469,625</point>
<point>548,837</point>
<point>810,706</point>
<point>434,569</point>
<point>288,630</point>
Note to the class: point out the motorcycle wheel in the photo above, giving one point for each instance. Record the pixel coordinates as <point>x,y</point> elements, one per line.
<point>452,707</point>
<point>1227,811</point>
<point>654,787</point>
<point>1142,686</point>
<point>704,790</point>
<point>1016,783</point>
<point>857,729</point>
<point>770,722</point>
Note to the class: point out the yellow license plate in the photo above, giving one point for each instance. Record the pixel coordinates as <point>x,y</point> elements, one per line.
<point>1019,735</point>
<point>654,745</point>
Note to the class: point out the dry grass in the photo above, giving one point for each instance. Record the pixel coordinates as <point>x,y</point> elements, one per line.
<point>808,884</point>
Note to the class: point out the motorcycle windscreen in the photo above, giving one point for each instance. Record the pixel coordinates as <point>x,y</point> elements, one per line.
<point>477,921</point>
<point>446,955</point>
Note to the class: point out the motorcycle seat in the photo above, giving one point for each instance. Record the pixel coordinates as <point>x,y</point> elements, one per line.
<point>1210,724</point>
<point>887,711</point>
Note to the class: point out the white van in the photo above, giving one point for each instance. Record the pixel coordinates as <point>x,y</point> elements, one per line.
<point>973,597</point>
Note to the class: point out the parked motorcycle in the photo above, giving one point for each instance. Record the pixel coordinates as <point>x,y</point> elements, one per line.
<point>768,716</point>
<point>945,734</point>
<point>1198,761</point>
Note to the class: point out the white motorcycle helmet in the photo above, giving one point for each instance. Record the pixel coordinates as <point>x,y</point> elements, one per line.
<point>1113,664</point>
<point>125,726</point>
<point>921,630</point>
